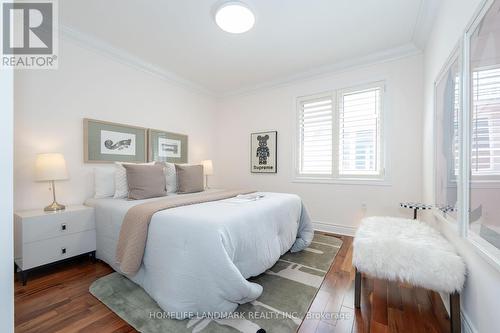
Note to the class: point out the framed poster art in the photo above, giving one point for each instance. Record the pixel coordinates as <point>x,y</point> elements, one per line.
<point>263,152</point>
<point>107,142</point>
<point>167,146</point>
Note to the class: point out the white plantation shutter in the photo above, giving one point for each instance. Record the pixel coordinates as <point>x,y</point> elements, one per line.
<point>340,141</point>
<point>485,141</point>
<point>359,132</point>
<point>315,135</point>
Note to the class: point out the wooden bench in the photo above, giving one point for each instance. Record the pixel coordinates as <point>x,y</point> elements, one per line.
<point>411,252</point>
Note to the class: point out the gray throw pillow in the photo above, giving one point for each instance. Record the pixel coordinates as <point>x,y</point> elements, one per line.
<point>145,181</point>
<point>189,178</point>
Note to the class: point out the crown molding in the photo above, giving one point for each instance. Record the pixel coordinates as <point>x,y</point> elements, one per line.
<point>400,52</point>
<point>122,56</point>
<point>425,19</point>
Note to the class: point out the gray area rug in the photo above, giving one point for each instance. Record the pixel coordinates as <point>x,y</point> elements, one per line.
<point>289,288</point>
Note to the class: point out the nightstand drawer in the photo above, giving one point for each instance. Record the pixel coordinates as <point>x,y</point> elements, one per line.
<point>56,225</point>
<point>54,249</point>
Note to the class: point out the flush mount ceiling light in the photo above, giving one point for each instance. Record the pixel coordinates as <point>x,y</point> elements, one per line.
<point>234,17</point>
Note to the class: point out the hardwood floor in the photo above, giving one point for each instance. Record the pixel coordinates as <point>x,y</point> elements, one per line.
<point>385,306</point>
<point>56,299</point>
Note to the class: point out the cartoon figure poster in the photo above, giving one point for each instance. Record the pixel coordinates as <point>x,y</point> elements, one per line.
<point>264,152</point>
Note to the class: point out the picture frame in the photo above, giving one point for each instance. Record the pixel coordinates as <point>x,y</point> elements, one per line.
<point>108,142</point>
<point>166,146</point>
<point>264,152</point>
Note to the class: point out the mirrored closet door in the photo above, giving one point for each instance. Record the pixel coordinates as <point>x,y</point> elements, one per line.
<point>447,112</point>
<point>484,127</point>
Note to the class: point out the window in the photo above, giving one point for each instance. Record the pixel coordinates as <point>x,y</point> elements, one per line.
<point>340,134</point>
<point>359,132</point>
<point>316,133</point>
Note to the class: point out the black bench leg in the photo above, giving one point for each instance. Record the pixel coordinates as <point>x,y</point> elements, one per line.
<point>24,277</point>
<point>455,322</point>
<point>92,257</point>
<point>357,288</point>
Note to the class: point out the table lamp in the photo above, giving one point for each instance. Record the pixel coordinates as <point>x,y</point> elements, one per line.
<point>51,167</point>
<point>208,170</point>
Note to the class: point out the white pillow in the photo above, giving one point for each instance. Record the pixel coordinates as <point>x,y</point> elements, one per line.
<point>121,185</point>
<point>104,182</point>
<point>170,177</point>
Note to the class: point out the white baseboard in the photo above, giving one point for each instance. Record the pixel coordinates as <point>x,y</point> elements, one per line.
<point>334,228</point>
<point>467,326</point>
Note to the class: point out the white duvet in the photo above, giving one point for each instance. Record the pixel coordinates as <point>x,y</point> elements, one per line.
<point>198,258</point>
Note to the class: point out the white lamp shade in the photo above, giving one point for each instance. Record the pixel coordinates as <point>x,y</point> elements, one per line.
<point>50,166</point>
<point>208,167</point>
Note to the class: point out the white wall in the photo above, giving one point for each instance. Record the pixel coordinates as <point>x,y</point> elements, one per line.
<point>480,300</point>
<point>334,204</point>
<point>89,84</point>
<point>50,106</point>
<point>6,226</point>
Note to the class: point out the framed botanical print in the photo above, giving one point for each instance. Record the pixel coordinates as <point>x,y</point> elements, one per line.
<point>167,146</point>
<point>264,152</point>
<point>106,142</point>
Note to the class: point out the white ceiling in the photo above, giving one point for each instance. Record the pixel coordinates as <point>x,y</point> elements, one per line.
<point>289,37</point>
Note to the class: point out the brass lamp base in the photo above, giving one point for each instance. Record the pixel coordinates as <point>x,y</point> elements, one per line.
<point>54,207</point>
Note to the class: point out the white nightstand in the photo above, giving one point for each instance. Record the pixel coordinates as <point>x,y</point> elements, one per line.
<point>42,238</point>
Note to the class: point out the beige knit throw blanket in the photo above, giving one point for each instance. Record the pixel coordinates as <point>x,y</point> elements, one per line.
<point>134,230</point>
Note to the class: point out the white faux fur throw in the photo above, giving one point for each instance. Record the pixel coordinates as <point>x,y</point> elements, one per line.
<point>410,251</point>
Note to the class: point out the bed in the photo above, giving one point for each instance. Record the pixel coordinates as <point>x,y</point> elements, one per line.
<point>198,258</point>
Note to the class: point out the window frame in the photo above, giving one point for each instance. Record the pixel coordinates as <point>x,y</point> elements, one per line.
<point>380,135</point>
<point>381,178</point>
